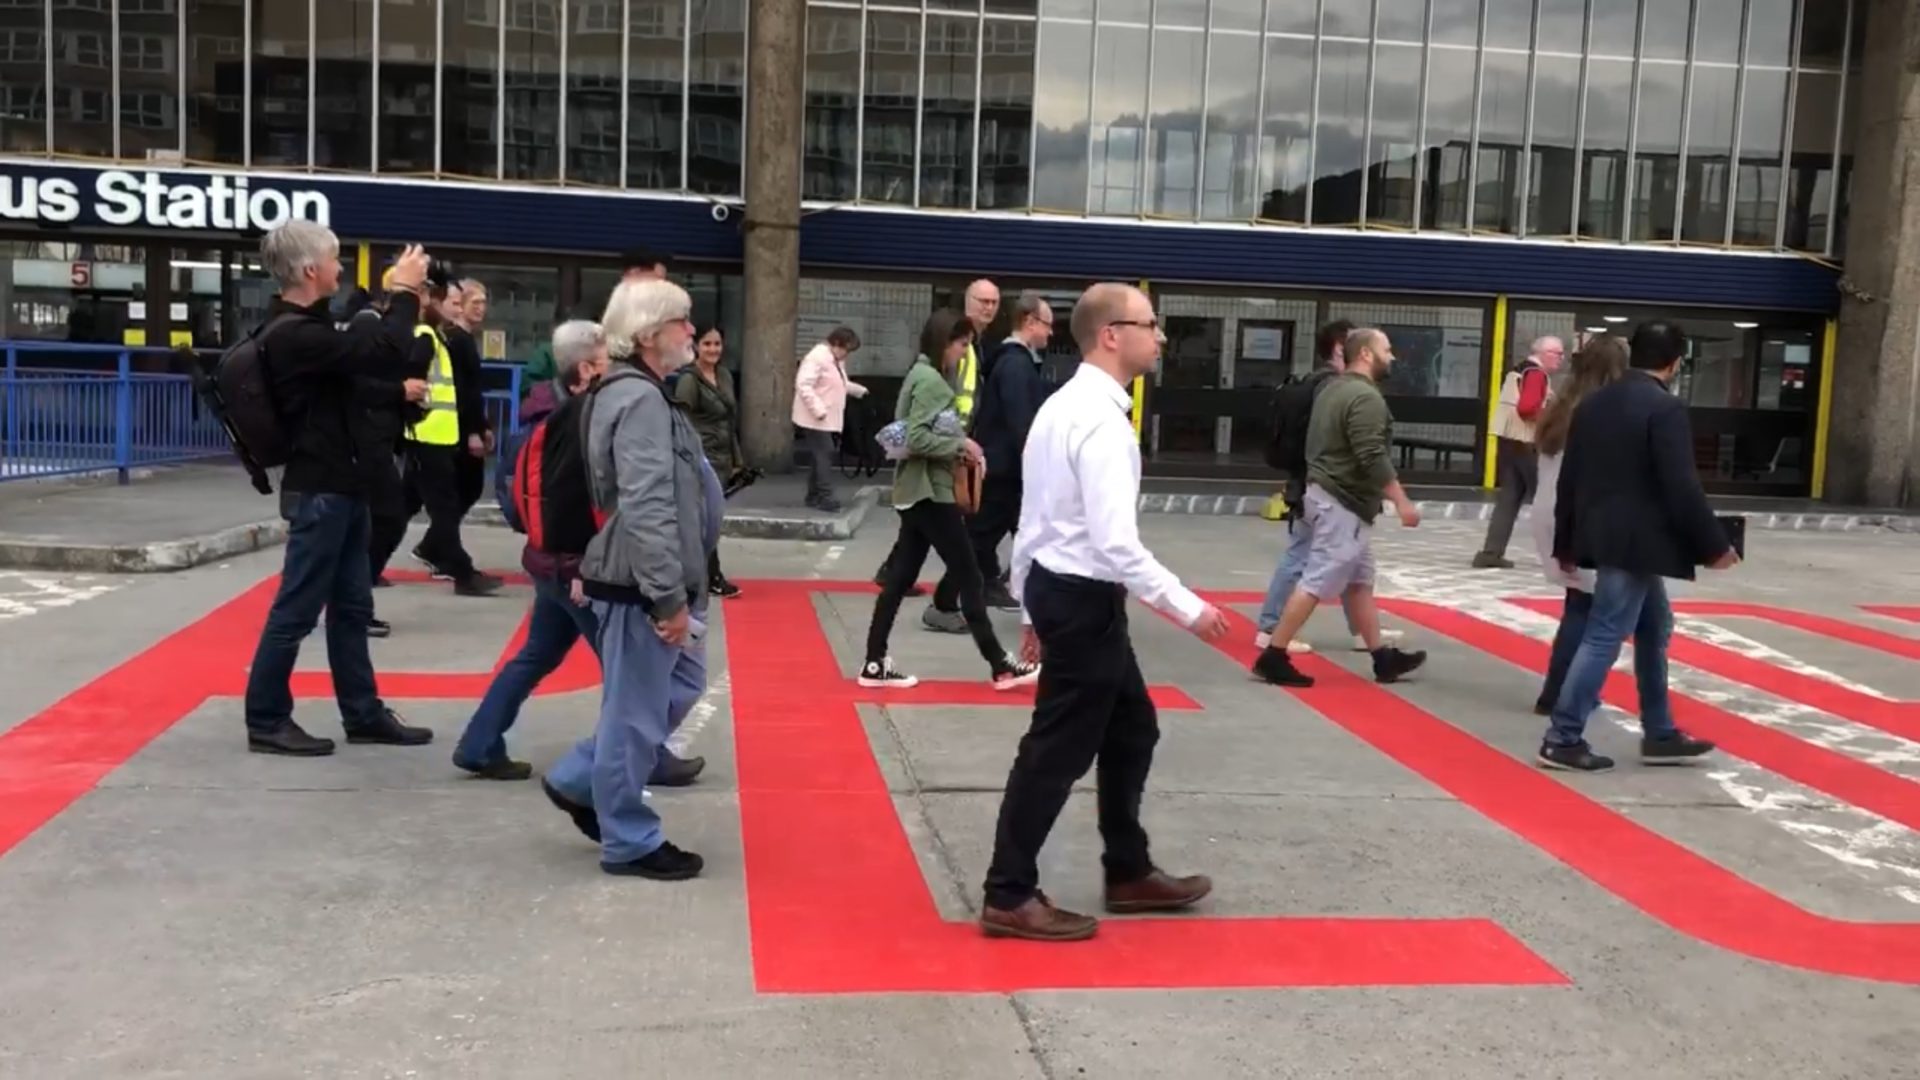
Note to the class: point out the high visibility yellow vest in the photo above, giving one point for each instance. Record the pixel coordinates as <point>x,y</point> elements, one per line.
<point>441,426</point>
<point>963,395</point>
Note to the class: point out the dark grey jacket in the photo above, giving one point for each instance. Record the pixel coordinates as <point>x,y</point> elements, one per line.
<point>648,475</point>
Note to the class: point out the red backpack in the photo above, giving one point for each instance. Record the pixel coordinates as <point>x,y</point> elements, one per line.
<point>552,487</point>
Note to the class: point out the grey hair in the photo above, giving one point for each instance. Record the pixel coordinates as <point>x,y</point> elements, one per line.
<point>574,343</point>
<point>293,247</point>
<point>470,285</point>
<point>638,309</point>
<point>1028,305</point>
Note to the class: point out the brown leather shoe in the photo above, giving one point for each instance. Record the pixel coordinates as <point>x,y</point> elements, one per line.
<point>1037,920</point>
<point>1158,891</point>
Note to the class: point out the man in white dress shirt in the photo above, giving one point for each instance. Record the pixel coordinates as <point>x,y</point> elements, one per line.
<point>1076,557</point>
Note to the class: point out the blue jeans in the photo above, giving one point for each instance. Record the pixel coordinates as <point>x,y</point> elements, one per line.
<point>1624,605</point>
<point>557,623</point>
<point>326,569</point>
<point>1566,642</point>
<point>1287,575</point>
<point>647,688</point>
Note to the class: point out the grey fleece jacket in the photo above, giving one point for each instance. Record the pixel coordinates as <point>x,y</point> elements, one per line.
<point>644,460</point>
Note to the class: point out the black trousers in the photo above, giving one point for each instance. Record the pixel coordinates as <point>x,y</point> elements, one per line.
<point>433,482</point>
<point>472,473</point>
<point>999,513</point>
<point>386,505</point>
<point>1092,706</point>
<point>1518,470</point>
<point>937,526</point>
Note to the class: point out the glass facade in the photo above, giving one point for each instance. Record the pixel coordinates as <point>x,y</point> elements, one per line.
<point>1699,122</point>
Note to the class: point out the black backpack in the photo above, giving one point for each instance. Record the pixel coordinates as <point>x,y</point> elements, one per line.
<point>239,393</point>
<point>1288,415</point>
<point>551,486</point>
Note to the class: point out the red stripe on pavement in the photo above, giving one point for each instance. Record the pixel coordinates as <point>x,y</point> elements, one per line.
<point>1894,611</point>
<point>1866,637</point>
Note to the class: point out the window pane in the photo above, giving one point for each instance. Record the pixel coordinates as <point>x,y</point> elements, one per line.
<point>1012,7</point>
<point>1060,113</point>
<point>893,81</point>
<point>1510,24</point>
<point>149,77</point>
<point>1556,107</point>
<point>1183,14</point>
<point>1006,112</point>
<point>1174,168</point>
<point>1456,22</point>
<point>833,94</point>
<point>1770,32</point>
<point>1237,15</point>
<point>1396,131</point>
<point>1286,136</point>
<point>83,81</point>
<point>1717,37</point>
<point>1403,20</point>
<point>1562,25</point>
<point>1232,124</point>
<point>1449,138</point>
<point>1849,134</point>
<point>946,121</point>
<point>1656,166</point>
<point>1348,20</point>
<point>1119,107</point>
<point>1615,23</point>
<point>343,85</point>
<point>1709,154</point>
<point>1503,130</point>
<point>470,88</point>
<point>1668,22</point>
<point>654,86</point>
<point>23,93</point>
<point>1339,141</point>
<point>406,114</point>
<point>717,99</point>
<point>1823,37</point>
<point>593,90</point>
<point>1292,16</point>
<point>279,91</point>
<point>216,44</point>
<point>532,99</point>
<point>1756,212</point>
<point>1603,165</point>
<point>1810,182</point>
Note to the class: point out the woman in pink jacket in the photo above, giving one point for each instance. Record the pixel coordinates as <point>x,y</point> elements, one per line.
<point>820,394</point>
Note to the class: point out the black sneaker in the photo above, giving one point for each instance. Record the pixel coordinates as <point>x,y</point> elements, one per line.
<point>390,730</point>
<point>1676,749</point>
<point>882,675</point>
<point>478,583</point>
<point>1391,665</point>
<point>504,769</point>
<point>379,628</point>
<point>1576,758</point>
<point>1013,673</point>
<point>724,589</point>
<point>664,863</point>
<point>433,570</point>
<point>290,740</point>
<point>1275,666</point>
<point>999,597</point>
<point>583,817</point>
<point>1486,560</point>
<point>672,770</point>
<point>383,582</point>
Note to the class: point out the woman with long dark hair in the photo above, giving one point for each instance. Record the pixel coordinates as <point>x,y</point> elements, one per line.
<point>705,390</point>
<point>923,493</point>
<point>1599,362</point>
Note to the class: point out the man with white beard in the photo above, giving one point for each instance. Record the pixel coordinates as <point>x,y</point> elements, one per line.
<point>644,574</point>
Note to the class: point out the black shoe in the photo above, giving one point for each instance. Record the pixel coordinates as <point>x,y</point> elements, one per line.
<point>1486,560</point>
<point>664,863</point>
<point>999,597</point>
<point>1391,665</point>
<point>433,569</point>
<point>379,628</point>
<point>390,730</point>
<point>671,770</point>
<point>724,589</point>
<point>826,504</point>
<point>1576,758</point>
<point>1275,666</point>
<point>478,583</point>
<point>289,739</point>
<point>583,817</point>
<point>383,582</point>
<point>504,769</point>
<point>1676,749</point>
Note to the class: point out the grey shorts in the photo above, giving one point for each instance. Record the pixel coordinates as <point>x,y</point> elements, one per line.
<point>1342,552</point>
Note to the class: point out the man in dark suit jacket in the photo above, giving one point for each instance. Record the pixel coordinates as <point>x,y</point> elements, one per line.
<point>1629,505</point>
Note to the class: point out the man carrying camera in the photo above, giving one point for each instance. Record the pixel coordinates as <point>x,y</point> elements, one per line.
<point>312,366</point>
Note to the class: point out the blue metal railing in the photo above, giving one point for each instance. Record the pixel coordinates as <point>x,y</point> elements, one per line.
<point>57,419</point>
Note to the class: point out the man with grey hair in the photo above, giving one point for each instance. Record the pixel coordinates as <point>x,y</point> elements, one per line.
<point>644,575</point>
<point>312,366</point>
<point>1523,394</point>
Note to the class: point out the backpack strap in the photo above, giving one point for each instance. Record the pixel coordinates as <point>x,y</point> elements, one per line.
<point>586,419</point>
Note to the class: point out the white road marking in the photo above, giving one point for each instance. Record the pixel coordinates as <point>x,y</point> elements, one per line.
<point>827,560</point>
<point>29,592</point>
<point>701,714</point>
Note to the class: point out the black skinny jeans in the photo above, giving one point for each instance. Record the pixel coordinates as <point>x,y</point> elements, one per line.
<point>937,526</point>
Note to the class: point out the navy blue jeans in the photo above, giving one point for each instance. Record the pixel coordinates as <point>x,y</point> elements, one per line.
<point>326,570</point>
<point>1625,606</point>
<point>557,623</point>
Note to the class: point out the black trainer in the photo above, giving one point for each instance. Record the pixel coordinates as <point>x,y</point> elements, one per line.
<point>672,770</point>
<point>1676,749</point>
<point>390,730</point>
<point>583,817</point>
<point>433,568</point>
<point>664,863</point>
<point>383,582</point>
<point>504,769</point>
<point>379,628</point>
<point>478,583</point>
<point>1275,666</point>
<point>882,675</point>
<point>724,589</point>
<point>998,596</point>
<point>1576,758</point>
<point>289,739</point>
<point>1391,664</point>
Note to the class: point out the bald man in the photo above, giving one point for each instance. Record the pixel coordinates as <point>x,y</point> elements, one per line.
<point>1523,395</point>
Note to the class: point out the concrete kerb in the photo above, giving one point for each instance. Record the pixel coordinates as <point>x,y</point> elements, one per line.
<point>1255,505</point>
<point>165,556</point>
<point>762,524</point>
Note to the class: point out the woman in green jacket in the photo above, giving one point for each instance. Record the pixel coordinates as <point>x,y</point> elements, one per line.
<point>705,390</point>
<point>929,519</point>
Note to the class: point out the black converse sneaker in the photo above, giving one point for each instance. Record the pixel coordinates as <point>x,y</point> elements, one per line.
<point>1012,673</point>
<point>882,675</point>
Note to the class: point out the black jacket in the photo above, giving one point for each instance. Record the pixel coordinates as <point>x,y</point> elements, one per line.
<point>1005,411</point>
<point>1629,496</point>
<point>467,384</point>
<point>314,366</point>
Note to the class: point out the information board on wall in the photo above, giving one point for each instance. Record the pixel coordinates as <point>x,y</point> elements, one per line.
<point>887,316</point>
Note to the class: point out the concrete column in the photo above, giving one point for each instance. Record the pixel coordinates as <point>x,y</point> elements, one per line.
<point>1874,457</point>
<point>776,73</point>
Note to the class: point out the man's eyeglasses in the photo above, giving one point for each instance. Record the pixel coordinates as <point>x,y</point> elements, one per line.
<point>1148,324</point>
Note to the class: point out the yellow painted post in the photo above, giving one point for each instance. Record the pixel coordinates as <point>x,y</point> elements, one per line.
<point>1495,377</point>
<point>363,266</point>
<point>1823,413</point>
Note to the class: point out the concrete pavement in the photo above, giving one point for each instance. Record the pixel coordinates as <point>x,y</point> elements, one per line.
<point>1400,893</point>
